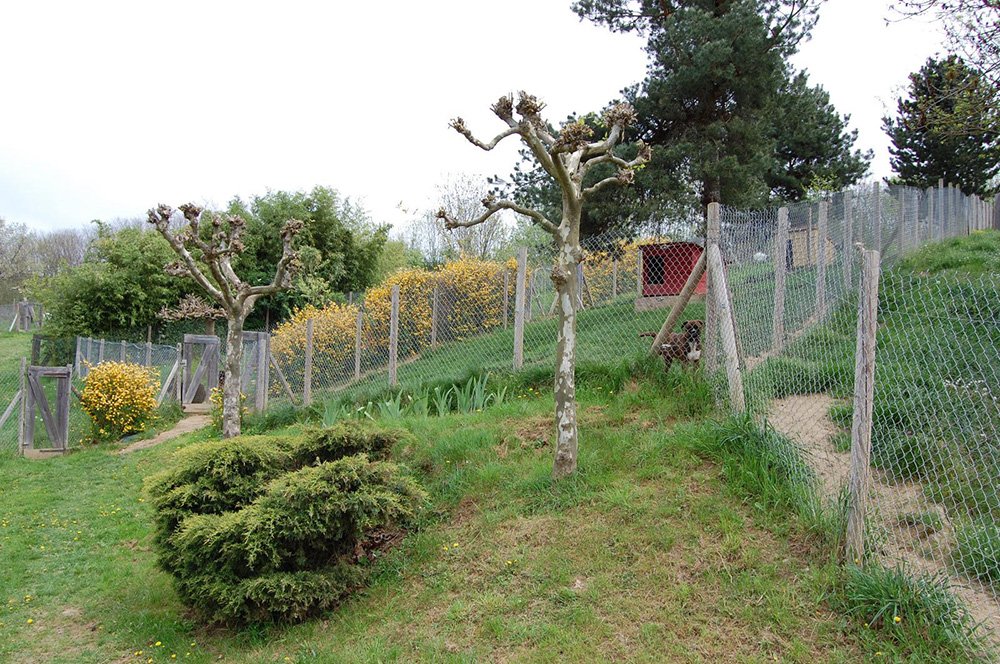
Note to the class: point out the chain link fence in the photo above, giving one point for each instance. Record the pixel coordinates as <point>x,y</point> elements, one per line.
<point>931,470</point>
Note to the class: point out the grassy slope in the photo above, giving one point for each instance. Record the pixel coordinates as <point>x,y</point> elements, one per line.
<point>645,555</point>
<point>656,551</point>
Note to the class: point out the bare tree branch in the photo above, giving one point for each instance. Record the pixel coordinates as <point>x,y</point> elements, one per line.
<point>492,207</point>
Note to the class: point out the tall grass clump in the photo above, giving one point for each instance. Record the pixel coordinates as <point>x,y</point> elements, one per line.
<point>916,614</point>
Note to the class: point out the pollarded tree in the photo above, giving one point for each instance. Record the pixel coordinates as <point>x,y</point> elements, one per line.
<point>199,249</point>
<point>566,155</point>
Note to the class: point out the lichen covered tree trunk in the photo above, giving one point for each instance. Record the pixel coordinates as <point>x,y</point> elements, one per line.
<point>232,394</point>
<point>564,278</point>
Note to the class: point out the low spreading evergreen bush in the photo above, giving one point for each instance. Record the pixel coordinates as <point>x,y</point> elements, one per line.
<point>264,528</point>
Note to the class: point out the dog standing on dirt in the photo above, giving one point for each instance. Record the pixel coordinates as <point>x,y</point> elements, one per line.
<point>683,346</point>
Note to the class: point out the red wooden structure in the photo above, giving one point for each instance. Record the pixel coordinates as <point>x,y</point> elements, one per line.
<point>667,266</point>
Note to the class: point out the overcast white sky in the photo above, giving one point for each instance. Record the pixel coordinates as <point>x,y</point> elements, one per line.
<point>111,107</point>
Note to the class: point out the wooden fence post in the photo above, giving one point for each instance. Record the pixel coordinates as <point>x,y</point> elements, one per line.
<point>149,354</point>
<point>22,420</point>
<point>877,216</point>
<point>809,236</point>
<point>780,269</point>
<point>638,270</point>
<point>263,370</point>
<point>519,299</point>
<point>122,353</point>
<point>712,235</point>
<point>394,338</point>
<point>929,230</point>
<point>941,212</point>
<point>76,358</point>
<point>435,308</point>
<point>848,248</point>
<point>821,256</point>
<point>100,352</point>
<point>358,330</point>
<point>90,353</point>
<point>181,377</point>
<point>864,392</point>
<point>506,299</point>
<point>727,327</point>
<point>307,381</point>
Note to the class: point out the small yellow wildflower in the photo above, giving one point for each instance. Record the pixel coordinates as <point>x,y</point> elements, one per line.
<point>30,621</point>
<point>897,619</point>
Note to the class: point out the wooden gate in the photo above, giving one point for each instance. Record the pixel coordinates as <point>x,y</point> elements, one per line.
<point>206,376</point>
<point>36,402</point>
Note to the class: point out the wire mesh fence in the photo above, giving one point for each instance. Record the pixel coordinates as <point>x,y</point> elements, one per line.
<point>794,280</point>
<point>8,317</point>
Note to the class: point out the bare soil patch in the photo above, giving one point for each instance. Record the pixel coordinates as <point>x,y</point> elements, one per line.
<point>186,425</point>
<point>903,510</point>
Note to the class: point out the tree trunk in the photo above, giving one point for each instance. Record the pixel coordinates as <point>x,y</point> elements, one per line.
<point>232,405</point>
<point>564,278</point>
<point>210,326</point>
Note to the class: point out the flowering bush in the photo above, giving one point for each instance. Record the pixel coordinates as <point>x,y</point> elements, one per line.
<point>215,413</point>
<point>470,301</point>
<point>120,399</point>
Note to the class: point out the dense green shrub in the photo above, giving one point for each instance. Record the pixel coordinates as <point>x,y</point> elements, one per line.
<point>265,528</point>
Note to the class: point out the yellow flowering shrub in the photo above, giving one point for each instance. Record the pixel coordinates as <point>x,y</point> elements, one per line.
<point>120,399</point>
<point>215,412</point>
<point>470,302</point>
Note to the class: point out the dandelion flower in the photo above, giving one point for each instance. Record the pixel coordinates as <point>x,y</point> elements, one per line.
<point>897,619</point>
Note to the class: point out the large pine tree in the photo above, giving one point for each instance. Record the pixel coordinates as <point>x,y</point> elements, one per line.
<point>947,127</point>
<point>719,103</point>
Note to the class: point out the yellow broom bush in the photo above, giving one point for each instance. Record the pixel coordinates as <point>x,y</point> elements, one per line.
<point>120,399</point>
<point>470,301</point>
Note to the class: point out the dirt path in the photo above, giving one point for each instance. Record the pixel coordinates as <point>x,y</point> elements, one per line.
<point>918,531</point>
<point>186,425</point>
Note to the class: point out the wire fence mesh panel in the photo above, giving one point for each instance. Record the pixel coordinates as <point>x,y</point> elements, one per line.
<point>934,491</point>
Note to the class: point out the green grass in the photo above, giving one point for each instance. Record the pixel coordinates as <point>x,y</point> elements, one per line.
<point>679,539</point>
<point>901,612</point>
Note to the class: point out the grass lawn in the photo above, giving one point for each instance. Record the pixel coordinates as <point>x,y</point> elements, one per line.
<point>647,555</point>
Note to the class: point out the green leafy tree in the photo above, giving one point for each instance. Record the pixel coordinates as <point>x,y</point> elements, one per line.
<point>117,291</point>
<point>946,128</point>
<point>339,246</point>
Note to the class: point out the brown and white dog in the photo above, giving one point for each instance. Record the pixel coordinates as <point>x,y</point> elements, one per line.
<point>684,346</point>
